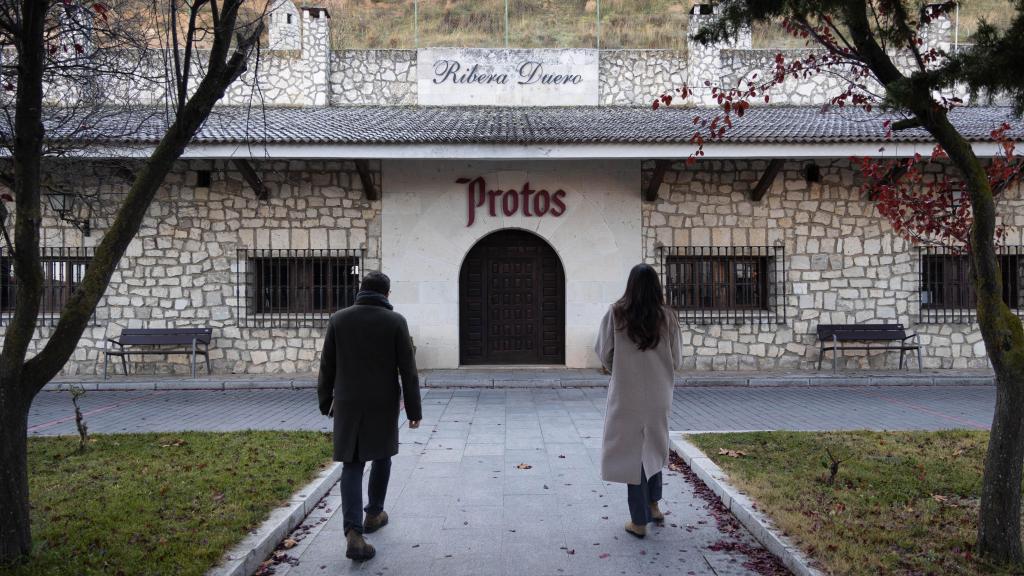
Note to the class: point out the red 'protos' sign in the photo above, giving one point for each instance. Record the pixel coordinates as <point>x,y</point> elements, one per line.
<point>529,202</point>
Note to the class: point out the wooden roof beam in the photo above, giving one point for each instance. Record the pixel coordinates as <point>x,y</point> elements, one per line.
<point>650,192</point>
<point>895,173</point>
<point>363,167</point>
<point>766,180</point>
<point>252,178</point>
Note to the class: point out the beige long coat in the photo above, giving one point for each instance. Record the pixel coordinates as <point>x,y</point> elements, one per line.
<point>639,401</point>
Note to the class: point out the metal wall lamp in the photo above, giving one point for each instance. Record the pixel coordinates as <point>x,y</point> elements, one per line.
<point>72,209</point>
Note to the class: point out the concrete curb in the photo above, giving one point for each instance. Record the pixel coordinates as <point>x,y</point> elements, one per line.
<point>245,558</point>
<point>759,525</point>
<point>176,384</point>
<point>547,379</point>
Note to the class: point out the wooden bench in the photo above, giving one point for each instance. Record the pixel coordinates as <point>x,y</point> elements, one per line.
<point>142,341</point>
<point>837,337</point>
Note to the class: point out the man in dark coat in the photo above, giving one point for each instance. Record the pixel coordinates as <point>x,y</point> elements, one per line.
<point>366,348</point>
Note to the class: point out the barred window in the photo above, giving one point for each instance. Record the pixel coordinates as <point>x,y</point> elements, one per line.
<point>63,270</point>
<point>721,285</point>
<point>947,288</point>
<point>303,287</point>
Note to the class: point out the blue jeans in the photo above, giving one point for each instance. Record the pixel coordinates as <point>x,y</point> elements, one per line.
<point>641,496</point>
<point>352,491</point>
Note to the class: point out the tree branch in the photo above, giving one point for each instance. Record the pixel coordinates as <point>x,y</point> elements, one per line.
<point>225,67</point>
<point>27,153</point>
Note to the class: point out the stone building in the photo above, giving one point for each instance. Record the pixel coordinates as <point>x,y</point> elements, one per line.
<point>508,193</point>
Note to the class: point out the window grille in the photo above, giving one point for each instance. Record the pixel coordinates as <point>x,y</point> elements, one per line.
<point>63,270</point>
<point>295,287</point>
<point>725,285</point>
<point>947,287</point>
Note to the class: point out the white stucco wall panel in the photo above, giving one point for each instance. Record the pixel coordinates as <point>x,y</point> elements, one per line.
<point>425,239</point>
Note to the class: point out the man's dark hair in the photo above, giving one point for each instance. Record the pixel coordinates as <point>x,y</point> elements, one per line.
<point>376,281</point>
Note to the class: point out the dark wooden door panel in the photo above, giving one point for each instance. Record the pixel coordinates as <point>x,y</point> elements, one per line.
<point>512,302</point>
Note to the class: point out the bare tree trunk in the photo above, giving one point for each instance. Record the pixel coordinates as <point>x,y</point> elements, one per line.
<point>999,516</point>
<point>15,532</point>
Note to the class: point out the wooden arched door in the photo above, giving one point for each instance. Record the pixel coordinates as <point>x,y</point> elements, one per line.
<point>512,302</point>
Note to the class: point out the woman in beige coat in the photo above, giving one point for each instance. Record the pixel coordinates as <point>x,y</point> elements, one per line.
<point>639,343</point>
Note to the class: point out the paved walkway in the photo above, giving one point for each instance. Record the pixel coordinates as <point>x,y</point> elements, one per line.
<point>500,483</point>
<point>802,408</point>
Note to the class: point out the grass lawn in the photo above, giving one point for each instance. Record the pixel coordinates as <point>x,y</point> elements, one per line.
<point>902,502</point>
<point>158,504</point>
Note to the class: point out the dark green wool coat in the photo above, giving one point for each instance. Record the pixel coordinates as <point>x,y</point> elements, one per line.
<point>366,348</point>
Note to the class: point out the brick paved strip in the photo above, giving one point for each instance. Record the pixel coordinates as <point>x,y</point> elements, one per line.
<point>964,422</point>
<point>881,408</point>
<point>706,409</point>
<point>87,413</point>
<point>176,410</point>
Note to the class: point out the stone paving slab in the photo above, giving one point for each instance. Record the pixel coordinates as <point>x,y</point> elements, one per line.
<point>693,409</point>
<point>484,515</point>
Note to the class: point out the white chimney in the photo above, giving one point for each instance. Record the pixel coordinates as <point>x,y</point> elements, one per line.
<point>285,29</point>
<point>704,61</point>
<point>938,33</point>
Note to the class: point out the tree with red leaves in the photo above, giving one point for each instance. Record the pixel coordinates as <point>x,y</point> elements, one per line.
<point>878,46</point>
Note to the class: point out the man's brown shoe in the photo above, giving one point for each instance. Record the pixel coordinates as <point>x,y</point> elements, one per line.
<point>374,523</point>
<point>656,514</point>
<point>638,531</point>
<point>358,549</point>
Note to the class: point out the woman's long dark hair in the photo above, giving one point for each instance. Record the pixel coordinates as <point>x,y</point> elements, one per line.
<point>641,310</point>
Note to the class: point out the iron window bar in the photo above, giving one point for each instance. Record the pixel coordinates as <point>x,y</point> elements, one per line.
<point>63,270</point>
<point>295,288</point>
<point>725,284</point>
<point>946,290</point>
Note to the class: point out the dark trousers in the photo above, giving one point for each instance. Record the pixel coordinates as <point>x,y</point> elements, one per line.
<point>641,496</point>
<point>352,491</point>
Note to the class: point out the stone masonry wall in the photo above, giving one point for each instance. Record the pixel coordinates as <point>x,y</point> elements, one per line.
<point>373,77</point>
<point>756,66</point>
<point>290,77</point>
<point>181,268</point>
<point>843,263</point>
<point>637,77</point>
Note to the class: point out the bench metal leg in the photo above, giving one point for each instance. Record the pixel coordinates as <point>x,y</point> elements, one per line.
<point>920,366</point>
<point>821,355</point>
<point>106,361</point>
<point>193,359</point>
<point>835,352</point>
<point>901,358</point>
<point>124,363</point>
<point>207,355</point>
